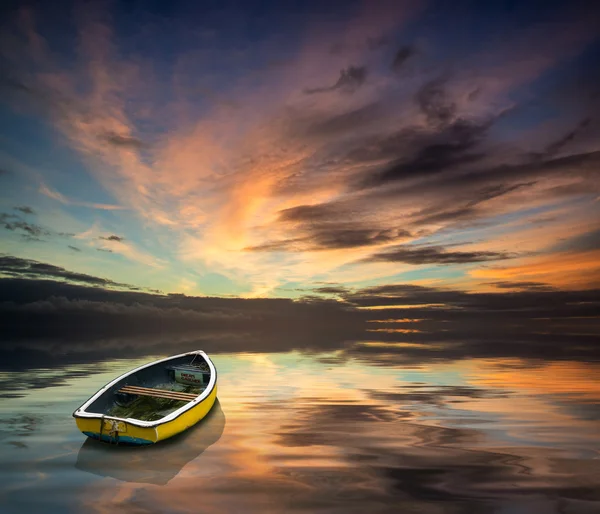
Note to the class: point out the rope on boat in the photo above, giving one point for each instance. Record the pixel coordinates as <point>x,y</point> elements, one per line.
<point>113,433</point>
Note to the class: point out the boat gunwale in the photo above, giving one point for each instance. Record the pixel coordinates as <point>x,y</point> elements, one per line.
<point>82,413</point>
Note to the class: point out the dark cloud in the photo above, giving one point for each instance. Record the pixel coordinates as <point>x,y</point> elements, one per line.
<point>331,235</point>
<point>74,248</point>
<point>338,290</point>
<point>526,286</point>
<point>346,122</point>
<point>25,209</point>
<point>13,222</point>
<point>556,146</point>
<point>467,209</point>
<point>319,229</point>
<point>118,239</point>
<point>434,102</point>
<point>34,312</point>
<point>454,180</point>
<point>311,213</point>
<point>375,43</point>
<point>119,140</point>
<point>384,147</point>
<point>27,268</point>
<point>417,255</point>
<point>453,147</point>
<point>581,243</point>
<point>583,166</point>
<point>18,85</point>
<point>29,231</point>
<point>349,81</point>
<point>340,236</point>
<point>402,55</point>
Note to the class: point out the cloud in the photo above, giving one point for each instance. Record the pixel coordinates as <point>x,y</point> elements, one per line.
<point>350,80</point>
<point>525,286</point>
<point>340,124</point>
<point>30,269</point>
<point>55,195</point>
<point>122,141</point>
<point>453,147</point>
<point>556,146</point>
<point>402,55</point>
<point>416,255</point>
<point>337,290</point>
<point>588,241</point>
<point>567,270</point>
<point>117,239</point>
<point>30,231</point>
<point>375,43</point>
<point>74,248</point>
<point>435,103</point>
<point>331,236</point>
<point>25,209</point>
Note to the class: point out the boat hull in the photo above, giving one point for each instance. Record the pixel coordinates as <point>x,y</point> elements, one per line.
<point>128,433</point>
<point>135,432</point>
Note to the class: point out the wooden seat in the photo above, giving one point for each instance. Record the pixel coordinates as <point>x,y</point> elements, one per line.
<point>158,393</point>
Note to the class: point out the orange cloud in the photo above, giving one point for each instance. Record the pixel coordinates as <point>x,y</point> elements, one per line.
<point>575,270</point>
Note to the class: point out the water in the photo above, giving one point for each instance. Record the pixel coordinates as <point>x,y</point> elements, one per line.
<point>297,432</point>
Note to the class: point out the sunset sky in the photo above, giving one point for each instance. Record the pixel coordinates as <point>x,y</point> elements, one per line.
<point>289,149</point>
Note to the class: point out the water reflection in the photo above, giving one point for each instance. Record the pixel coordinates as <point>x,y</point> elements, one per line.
<point>316,434</point>
<point>155,464</point>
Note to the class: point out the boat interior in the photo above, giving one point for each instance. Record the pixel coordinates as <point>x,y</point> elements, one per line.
<point>155,391</point>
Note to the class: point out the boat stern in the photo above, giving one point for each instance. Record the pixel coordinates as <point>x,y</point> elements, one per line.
<point>115,431</point>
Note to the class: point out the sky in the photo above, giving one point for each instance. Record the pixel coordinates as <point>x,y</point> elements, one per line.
<point>334,150</point>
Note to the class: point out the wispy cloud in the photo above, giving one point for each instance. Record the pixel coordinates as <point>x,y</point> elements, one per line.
<point>55,195</point>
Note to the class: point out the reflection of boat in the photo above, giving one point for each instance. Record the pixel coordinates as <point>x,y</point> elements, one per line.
<point>152,402</point>
<point>154,464</point>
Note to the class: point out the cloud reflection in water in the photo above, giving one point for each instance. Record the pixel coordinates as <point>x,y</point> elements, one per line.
<point>304,434</point>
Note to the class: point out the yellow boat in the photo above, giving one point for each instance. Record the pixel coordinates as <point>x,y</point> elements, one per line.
<point>152,402</point>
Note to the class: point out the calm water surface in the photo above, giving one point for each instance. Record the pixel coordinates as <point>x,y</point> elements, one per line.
<point>302,433</point>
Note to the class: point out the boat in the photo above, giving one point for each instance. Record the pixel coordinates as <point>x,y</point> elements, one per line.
<point>152,402</point>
